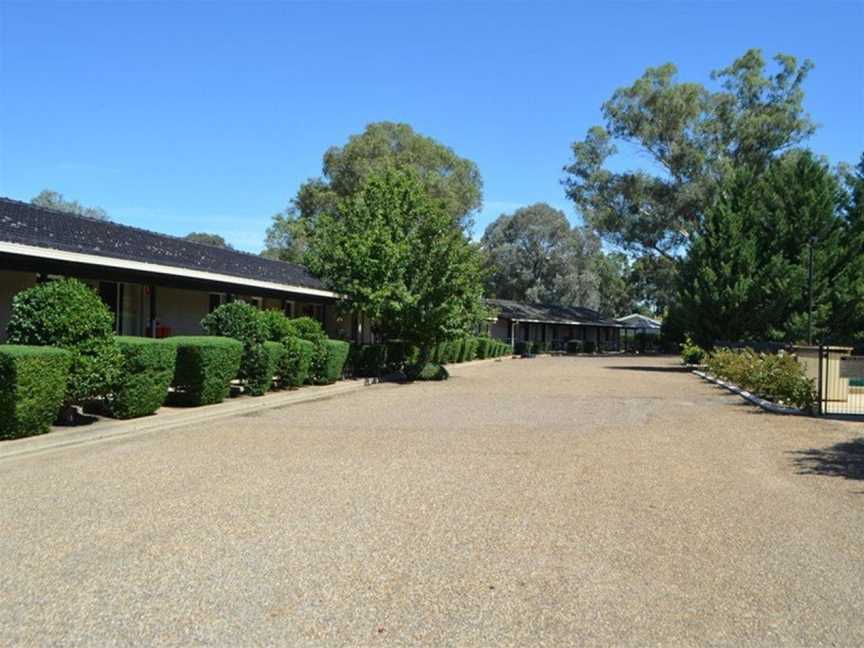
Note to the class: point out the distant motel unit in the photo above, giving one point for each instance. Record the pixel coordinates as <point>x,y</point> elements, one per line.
<point>553,324</point>
<point>155,285</point>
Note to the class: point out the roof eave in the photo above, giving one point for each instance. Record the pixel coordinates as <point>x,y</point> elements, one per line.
<point>54,254</point>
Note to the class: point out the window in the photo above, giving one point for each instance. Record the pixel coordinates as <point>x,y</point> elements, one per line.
<point>108,293</point>
<point>216,300</point>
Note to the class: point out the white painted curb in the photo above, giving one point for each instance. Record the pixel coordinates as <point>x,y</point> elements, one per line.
<point>766,405</point>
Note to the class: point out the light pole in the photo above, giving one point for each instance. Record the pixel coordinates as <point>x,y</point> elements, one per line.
<point>810,293</point>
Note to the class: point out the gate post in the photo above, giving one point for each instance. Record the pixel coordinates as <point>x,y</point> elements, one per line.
<point>819,392</point>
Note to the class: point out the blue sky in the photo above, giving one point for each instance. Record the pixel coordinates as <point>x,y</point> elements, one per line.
<point>207,116</point>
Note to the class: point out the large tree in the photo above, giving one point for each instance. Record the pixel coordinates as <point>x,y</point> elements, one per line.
<point>747,273</point>
<point>55,200</point>
<point>693,137</point>
<point>397,257</point>
<point>445,176</point>
<point>535,255</point>
<point>208,239</point>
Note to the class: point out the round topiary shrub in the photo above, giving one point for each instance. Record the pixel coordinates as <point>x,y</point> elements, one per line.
<point>307,328</point>
<point>278,326</point>
<point>68,314</point>
<point>244,322</point>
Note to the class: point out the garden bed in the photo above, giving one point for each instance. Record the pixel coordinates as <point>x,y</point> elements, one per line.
<point>766,405</point>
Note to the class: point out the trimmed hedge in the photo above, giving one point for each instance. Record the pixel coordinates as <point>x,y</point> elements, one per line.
<point>484,347</point>
<point>328,361</point>
<point>205,367</point>
<point>589,346</point>
<point>428,371</point>
<point>471,353</point>
<point>275,353</point>
<point>296,361</point>
<point>32,387</point>
<point>438,353</point>
<point>148,369</point>
<point>68,314</point>
<point>307,328</point>
<point>457,346</point>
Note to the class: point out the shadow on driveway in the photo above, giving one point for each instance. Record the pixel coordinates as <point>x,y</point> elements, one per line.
<point>840,460</point>
<point>655,368</point>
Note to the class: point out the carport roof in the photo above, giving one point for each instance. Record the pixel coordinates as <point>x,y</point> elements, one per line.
<point>550,313</point>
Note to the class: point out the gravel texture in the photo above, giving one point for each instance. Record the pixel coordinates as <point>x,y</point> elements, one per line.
<point>544,502</point>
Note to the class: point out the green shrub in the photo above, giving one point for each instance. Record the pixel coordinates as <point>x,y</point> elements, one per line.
<point>237,320</point>
<point>691,353</point>
<point>428,371</point>
<point>439,352</point>
<point>243,322</point>
<point>275,352</point>
<point>590,346</point>
<point>205,367</point>
<point>522,348</point>
<point>148,369</point>
<point>541,347</point>
<point>468,350</point>
<point>296,361</point>
<point>307,328</point>
<point>454,351</point>
<point>484,347</point>
<point>328,360</point>
<point>32,387</point>
<point>777,377</point>
<point>574,346</point>
<point>69,315</point>
<point>276,325</point>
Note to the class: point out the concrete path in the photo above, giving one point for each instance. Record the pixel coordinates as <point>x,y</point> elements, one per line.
<point>549,502</point>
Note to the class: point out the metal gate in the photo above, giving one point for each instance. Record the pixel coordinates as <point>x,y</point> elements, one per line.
<point>840,381</point>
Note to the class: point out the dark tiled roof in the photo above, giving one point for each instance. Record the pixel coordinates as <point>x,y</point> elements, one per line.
<point>549,313</point>
<point>37,226</point>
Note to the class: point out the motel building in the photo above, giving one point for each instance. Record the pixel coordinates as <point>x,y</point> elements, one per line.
<point>554,324</point>
<point>156,285</point>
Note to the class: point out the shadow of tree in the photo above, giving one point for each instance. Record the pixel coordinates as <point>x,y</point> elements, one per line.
<point>655,368</point>
<point>840,460</point>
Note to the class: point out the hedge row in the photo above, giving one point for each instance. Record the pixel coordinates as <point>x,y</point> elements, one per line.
<point>32,388</point>
<point>777,377</point>
<point>375,360</point>
<point>62,352</point>
<point>147,372</point>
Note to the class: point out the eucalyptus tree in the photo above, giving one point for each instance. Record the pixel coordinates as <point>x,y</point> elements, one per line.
<point>692,138</point>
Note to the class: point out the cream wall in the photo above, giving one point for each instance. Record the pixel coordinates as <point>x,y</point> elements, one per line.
<point>11,283</point>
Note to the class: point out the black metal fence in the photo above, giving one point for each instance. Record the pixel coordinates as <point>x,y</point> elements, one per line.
<point>839,381</point>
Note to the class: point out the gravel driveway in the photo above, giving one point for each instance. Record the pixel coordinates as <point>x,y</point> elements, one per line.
<point>555,501</point>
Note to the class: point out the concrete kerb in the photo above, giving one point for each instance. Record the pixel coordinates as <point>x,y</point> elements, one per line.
<point>766,405</point>
<point>169,418</point>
